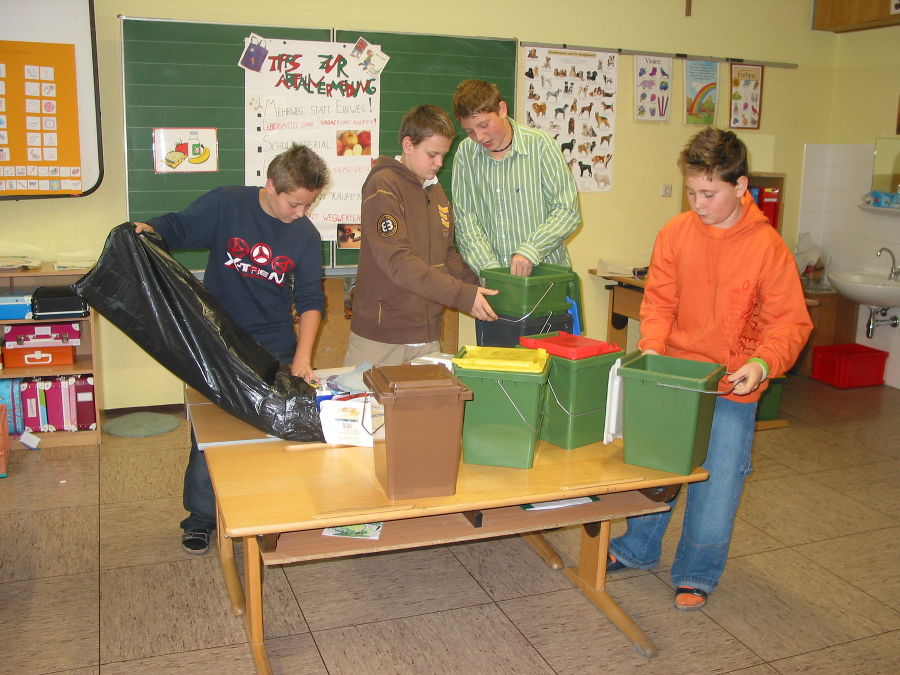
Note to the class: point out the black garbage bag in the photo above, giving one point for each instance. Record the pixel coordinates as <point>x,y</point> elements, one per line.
<point>159,304</point>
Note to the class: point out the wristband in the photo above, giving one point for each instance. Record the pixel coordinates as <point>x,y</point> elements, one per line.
<point>765,367</point>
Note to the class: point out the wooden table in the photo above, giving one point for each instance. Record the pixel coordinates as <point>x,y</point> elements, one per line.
<point>278,495</point>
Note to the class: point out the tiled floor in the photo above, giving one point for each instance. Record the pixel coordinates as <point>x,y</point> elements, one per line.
<point>93,580</point>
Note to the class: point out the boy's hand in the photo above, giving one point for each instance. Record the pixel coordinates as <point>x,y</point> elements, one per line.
<point>747,377</point>
<point>481,309</point>
<point>302,368</point>
<point>143,227</point>
<point>520,266</point>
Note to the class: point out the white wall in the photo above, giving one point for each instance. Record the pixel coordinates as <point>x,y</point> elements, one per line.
<point>835,178</point>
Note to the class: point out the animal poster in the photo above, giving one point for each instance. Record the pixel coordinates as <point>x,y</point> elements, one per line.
<point>187,150</point>
<point>652,88</point>
<point>320,95</point>
<point>701,87</point>
<point>746,96</point>
<point>571,95</point>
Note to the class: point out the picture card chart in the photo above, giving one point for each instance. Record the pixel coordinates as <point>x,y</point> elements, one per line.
<point>39,133</point>
<point>652,87</point>
<point>322,95</point>
<point>571,95</point>
<point>746,96</point>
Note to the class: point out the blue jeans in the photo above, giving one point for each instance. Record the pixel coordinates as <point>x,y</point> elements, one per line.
<point>710,510</point>
<point>198,496</point>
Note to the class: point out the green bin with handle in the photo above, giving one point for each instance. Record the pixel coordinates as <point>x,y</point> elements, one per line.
<point>667,410</point>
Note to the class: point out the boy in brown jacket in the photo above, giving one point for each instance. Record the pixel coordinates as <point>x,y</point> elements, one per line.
<point>409,268</point>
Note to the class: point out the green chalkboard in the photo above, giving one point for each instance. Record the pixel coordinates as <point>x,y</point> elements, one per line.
<point>185,74</point>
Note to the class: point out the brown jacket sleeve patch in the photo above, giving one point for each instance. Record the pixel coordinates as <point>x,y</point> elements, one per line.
<point>387,225</point>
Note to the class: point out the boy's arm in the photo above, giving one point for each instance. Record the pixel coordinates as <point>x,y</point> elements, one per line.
<point>561,200</point>
<point>660,300</point>
<point>191,227</point>
<point>386,236</point>
<point>783,314</point>
<point>458,268</point>
<point>301,366</point>
<point>309,302</point>
<point>471,239</point>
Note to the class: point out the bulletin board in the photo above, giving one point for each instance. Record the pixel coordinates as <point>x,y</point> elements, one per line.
<point>49,101</point>
<point>183,74</point>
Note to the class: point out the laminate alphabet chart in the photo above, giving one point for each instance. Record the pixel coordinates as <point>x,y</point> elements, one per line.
<point>39,140</point>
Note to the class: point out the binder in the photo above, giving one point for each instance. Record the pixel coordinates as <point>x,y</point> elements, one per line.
<point>70,413</point>
<point>30,405</point>
<point>84,403</point>
<point>770,204</point>
<point>11,397</point>
<point>42,387</point>
<point>53,393</point>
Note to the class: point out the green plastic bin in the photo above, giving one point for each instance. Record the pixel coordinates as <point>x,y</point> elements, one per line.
<point>666,419</point>
<point>502,422</point>
<point>770,401</point>
<point>543,292</point>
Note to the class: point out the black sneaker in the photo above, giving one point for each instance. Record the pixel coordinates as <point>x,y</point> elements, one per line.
<point>196,542</point>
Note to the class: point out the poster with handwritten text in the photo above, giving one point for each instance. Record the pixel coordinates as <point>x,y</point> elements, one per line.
<point>319,95</point>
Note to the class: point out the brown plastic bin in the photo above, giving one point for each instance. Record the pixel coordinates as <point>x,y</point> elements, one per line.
<point>423,418</point>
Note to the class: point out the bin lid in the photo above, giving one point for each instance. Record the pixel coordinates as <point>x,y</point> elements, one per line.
<point>569,346</point>
<point>504,359</point>
<point>411,380</point>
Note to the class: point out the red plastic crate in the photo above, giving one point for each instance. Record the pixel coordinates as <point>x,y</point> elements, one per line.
<point>850,365</point>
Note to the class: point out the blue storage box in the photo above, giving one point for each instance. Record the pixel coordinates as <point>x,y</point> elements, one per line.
<point>15,305</point>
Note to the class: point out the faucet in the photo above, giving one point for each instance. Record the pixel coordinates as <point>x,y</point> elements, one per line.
<point>892,275</point>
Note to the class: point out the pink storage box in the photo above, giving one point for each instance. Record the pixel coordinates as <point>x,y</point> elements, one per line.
<point>42,335</point>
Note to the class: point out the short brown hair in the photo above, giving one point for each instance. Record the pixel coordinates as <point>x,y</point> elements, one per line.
<point>298,167</point>
<point>716,154</point>
<point>475,96</point>
<point>424,121</point>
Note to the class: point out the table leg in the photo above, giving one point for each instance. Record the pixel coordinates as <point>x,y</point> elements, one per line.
<point>253,617</point>
<point>225,547</point>
<point>545,550</point>
<point>590,578</point>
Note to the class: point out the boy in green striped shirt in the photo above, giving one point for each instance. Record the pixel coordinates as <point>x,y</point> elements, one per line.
<point>514,198</point>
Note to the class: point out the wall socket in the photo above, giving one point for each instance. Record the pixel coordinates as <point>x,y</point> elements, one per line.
<point>665,190</point>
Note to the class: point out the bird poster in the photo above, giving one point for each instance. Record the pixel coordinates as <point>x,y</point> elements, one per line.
<point>700,92</point>
<point>652,87</point>
<point>745,104</point>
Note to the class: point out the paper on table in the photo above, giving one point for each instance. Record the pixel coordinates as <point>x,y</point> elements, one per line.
<point>361,531</point>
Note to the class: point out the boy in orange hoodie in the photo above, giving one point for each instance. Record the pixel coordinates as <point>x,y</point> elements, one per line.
<point>722,288</point>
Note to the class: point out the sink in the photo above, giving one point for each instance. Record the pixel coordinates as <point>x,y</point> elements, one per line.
<point>867,288</point>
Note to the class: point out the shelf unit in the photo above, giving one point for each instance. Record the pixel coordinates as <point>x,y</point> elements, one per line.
<point>87,361</point>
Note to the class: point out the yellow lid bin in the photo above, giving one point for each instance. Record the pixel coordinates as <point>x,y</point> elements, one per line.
<point>503,359</point>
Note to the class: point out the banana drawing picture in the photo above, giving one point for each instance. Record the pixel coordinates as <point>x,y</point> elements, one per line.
<point>202,157</point>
